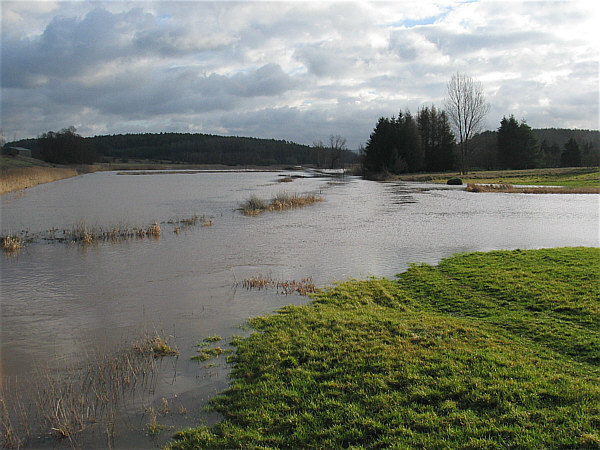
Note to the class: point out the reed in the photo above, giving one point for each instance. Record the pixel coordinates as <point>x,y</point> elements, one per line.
<point>512,189</point>
<point>303,287</point>
<point>282,201</point>
<point>65,404</point>
<point>11,243</point>
<point>17,178</point>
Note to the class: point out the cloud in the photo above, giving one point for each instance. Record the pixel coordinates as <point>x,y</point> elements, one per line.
<point>289,70</point>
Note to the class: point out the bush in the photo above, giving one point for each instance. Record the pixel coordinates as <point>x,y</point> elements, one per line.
<point>454,182</point>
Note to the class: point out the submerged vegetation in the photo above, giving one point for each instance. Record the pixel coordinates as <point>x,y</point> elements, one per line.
<point>68,402</point>
<point>485,350</point>
<point>303,287</point>
<point>255,205</point>
<point>83,234</point>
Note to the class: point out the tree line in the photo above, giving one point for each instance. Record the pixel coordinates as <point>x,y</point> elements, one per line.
<point>67,147</point>
<point>449,139</point>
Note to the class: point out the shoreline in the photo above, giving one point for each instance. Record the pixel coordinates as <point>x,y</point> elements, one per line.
<point>450,355</point>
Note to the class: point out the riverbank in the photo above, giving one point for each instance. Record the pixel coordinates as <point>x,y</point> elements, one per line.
<point>572,177</point>
<point>495,349</point>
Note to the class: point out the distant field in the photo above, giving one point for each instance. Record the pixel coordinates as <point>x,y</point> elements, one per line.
<point>567,176</point>
<point>485,350</point>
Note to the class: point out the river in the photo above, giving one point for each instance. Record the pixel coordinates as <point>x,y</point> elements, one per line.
<point>62,302</point>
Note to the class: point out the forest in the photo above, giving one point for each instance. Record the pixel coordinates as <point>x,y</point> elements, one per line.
<point>406,143</point>
<point>67,147</point>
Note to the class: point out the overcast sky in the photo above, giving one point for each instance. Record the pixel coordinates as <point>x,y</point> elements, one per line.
<point>298,71</point>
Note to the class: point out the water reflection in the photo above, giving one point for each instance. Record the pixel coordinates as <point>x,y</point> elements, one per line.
<point>58,301</point>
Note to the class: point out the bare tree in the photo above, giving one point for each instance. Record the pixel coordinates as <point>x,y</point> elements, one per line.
<point>337,145</point>
<point>466,107</point>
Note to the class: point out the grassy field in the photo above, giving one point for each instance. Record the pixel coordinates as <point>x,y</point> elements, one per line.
<point>485,350</point>
<point>567,176</point>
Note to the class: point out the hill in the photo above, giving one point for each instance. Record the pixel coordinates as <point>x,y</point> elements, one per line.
<point>198,149</point>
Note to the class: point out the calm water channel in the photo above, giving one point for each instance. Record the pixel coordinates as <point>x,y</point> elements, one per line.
<point>61,303</point>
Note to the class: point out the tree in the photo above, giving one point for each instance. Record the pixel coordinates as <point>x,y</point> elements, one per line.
<point>436,139</point>
<point>466,108</point>
<point>393,147</point>
<point>571,155</point>
<point>518,147</point>
<point>66,147</point>
<point>337,145</point>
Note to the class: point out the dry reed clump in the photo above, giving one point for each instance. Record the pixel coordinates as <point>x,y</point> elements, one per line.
<point>254,205</point>
<point>15,179</point>
<point>11,243</point>
<point>512,189</point>
<point>286,180</point>
<point>303,287</point>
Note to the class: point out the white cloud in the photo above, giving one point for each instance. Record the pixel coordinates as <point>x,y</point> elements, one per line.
<point>290,70</point>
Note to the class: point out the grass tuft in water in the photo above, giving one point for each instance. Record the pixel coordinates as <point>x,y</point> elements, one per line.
<point>254,205</point>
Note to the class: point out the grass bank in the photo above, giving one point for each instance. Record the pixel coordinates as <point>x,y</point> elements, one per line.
<point>574,177</point>
<point>17,178</point>
<point>485,350</point>
<point>512,189</point>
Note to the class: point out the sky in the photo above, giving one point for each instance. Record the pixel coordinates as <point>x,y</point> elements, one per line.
<point>299,71</point>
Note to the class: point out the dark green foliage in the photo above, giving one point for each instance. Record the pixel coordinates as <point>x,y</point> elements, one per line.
<point>436,139</point>
<point>486,350</point>
<point>454,182</point>
<point>518,147</point>
<point>66,147</point>
<point>394,146</point>
<point>571,155</point>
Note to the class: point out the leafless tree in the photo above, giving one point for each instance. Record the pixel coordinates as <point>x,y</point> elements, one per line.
<point>466,107</point>
<point>329,155</point>
<point>337,145</point>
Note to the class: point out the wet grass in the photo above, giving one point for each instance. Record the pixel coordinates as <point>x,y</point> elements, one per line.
<point>512,189</point>
<point>283,201</point>
<point>485,350</point>
<point>573,177</point>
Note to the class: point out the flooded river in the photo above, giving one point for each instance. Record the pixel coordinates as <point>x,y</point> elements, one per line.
<point>62,303</point>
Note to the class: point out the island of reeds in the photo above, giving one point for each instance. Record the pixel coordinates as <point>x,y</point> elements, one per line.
<point>484,350</point>
<point>255,205</point>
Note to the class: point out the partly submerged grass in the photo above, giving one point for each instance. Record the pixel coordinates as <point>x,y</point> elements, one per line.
<point>486,350</point>
<point>512,189</point>
<point>255,205</point>
<point>573,177</point>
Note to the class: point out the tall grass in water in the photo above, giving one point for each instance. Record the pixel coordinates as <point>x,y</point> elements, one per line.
<point>15,179</point>
<point>254,205</point>
<point>11,243</point>
<point>67,403</point>
<point>303,287</point>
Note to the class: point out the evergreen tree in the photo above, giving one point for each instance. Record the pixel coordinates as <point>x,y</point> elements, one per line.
<point>394,146</point>
<point>571,155</point>
<point>436,139</point>
<point>518,147</point>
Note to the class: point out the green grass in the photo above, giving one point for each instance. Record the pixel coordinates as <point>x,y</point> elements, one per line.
<point>485,350</point>
<point>572,177</point>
